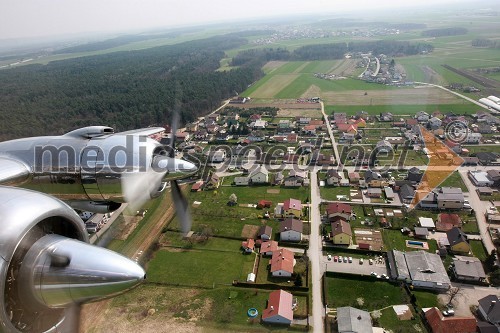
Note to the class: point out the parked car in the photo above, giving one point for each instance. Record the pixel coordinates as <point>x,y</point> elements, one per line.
<point>92,227</point>
<point>336,258</point>
<point>370,261</point>
<point>329,257</point>
<point>448,312</point>
<point>350,259</point>
<point>361,261</point>
<point>345,259</point>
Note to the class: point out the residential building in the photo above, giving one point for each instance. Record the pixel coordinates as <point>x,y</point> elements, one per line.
<point>268,247</point>
<point>292,207</point>
<point>201,135</point>
<point>248,245</point>
<point>373,192</point>
<point>422,116</point>
<point>489,310</point>
<point>347,138</point>
<point>352,320</point>
<point>282,263</point>
<point>333,177</point>
<point>441,324</point>
<point>414,175</point>
<point>279,308</point>
<point>241,181</point>
<point>450,198</point>
<point>296,179</point>
<point>468,269</point>
<point>353,177</point>
<point>348,128</point>
<point>260,175</point>
<point>420,268</point>
<point>383,146</point>
<point>278,178</point>
<point>265,232</point>
<point>374,179</point>
<point>291,230</point>
<point>458,241</point>
<point>407,192</point>
<point>434,123</point>
<point>213,182</point>
<point>386,116</point>
<point>447,222</point>
<point>473,137</point>
<point>217,156</point>
<point>480,178</point>
<point>426,222</point>
<point>341,233</point>
<point>494,175</point>
<point>389,193</point>
<point>340,210</point>
<point>488,158</point>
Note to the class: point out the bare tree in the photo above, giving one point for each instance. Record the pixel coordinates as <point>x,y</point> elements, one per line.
<point>452,293</point>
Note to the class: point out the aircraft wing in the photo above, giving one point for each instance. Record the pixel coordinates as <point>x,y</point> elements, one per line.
<point>143,131</point>
<point>12,171</point>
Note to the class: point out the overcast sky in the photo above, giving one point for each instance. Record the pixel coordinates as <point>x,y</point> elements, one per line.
<point>32,18</point>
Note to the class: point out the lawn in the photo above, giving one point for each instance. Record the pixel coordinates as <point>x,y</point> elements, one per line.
<point>202,268</point>
<point>213,310</point>
<point>478,249</point>
<point>389,320</point>
<point>375,294</point>
<point>426,299</point>
<point>395,240</point>
<point>454,180</point>
<point>331,192</point>
<point>401,110</point>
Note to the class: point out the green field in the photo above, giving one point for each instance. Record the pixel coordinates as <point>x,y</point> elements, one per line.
<point>199,267</point>
<point>478,249</point>
<point>467,108</point>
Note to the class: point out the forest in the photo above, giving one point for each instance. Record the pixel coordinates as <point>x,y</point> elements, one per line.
<point>124,90</point>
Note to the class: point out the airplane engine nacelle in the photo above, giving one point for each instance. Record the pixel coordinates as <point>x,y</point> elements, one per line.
<point>44,252</point>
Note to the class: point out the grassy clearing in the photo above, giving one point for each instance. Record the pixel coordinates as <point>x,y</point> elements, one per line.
<point>478,249</point>
<point>454,180</point>
<point>426,299</point>
<point>390,320</point>
<point>403,109</point>
<point>198,267</point>
<point>330,192</point>
<point>375,294</point>
<point>483,148</point>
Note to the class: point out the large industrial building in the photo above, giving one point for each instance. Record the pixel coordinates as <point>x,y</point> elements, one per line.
<point>419,268</point>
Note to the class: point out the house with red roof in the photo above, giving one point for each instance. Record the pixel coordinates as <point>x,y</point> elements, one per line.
<point>268,247</point>
<point>248,245</point>
<point>447,222</point>
<point>442,324</point>
<point>279,308</point>
<point>336,210</point>
<point>348,128</point>
<point>282,263</point>
<point>341,233</point>
<point>292,207</point>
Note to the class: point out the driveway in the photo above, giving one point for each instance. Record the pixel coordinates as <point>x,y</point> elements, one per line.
<point>468,296</point>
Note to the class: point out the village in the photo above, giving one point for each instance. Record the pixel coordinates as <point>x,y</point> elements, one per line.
<point>381,217</point>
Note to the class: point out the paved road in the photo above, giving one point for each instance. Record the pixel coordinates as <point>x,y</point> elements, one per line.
<point>480,210</point>
<point>315,253</point>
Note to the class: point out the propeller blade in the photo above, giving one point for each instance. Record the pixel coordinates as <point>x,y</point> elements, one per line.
<point>71,322</point>
<point>181,207</point>
<point>174,126</point>
<point>138,187</point>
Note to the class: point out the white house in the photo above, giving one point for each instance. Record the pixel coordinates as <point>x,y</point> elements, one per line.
<point>241,181</point>
<point>260,176</point>
<point>480,178</point>
<point>422,116</point>
<point>473,137</point>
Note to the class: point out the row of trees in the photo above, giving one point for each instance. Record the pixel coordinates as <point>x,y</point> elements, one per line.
<point>443,32</point>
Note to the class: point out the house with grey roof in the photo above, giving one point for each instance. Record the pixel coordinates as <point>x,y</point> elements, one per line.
<point>468,269</point>
<point>352,320</point>
<point>407,192</point>
<point>489,309</point>
<point>420,268</point>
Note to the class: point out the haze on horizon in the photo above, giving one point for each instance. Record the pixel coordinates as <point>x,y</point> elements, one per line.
<point>35,18</point>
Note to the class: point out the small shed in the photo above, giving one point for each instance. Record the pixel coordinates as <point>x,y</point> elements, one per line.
<point>426,222</point>
<point>421,232</point>
<point>251,277</point>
